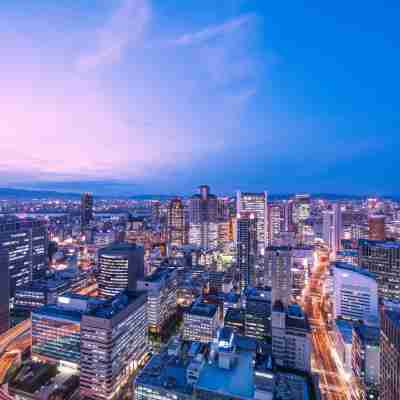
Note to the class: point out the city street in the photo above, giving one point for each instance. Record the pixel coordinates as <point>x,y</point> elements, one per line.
<point>333,381</point>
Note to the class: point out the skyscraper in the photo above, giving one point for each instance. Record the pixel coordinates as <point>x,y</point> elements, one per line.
<point>332,229</point>
<point>382,258</point>
<point>23,257</point>
<point>255,203</point>
<point>113,344</point>
<point>390,355</point>
<point>376,227</point>
<point>120,267</point>
<point>246,248</point>
<point>176,223</point>
<point>301,208</point>
<point>86,209</point>
<point>276,222</point>
<point>203,207</point>
<point>278,273</point>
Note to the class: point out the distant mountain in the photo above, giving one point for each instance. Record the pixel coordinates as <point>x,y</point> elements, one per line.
<point>10,193</point>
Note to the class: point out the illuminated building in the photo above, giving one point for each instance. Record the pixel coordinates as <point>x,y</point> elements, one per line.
<point>113,344</point>
<point>257,313</point>
<point>257,204</point>
<point>56,331</point>
<point>204,235</point>
<point>203,207</point>
<point>291,342</point>
<point>301,208</point>
<point>355,294</point>
<point>161,287</point>
<point>332,229</point>
<point>176,223</point>
<point>23,258</point>
<point>376,227</point>
<point>246,248</point>
<point>200,322</point>
<point>86,209</point>
<point>278,273</point>
<point>382,258</point>
<point>120,267</point>
<point>365,358</point>
<point>389,382</point>
<point>276,223</point>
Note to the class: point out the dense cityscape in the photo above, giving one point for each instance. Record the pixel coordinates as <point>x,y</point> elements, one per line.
<point>248,296</point>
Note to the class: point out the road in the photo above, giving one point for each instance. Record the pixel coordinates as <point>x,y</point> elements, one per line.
<point>334,383</point>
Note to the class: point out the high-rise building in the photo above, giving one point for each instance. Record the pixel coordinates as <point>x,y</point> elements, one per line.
<point>382,258</point>
<point>56,330</point>
<point>301,208</point>
<point>86,209</point>
<point>161,287</point>
<point>355,294</point>
<point>176,223</point>
<point>257,204</point>
<point>200,322</point>
<point>113,345</point>
<point>204,235</point>
<point>365,358</point>
<point>332,229</point>
<point>276,223</point>
<point>376,227</point>
<point>246,248</point>
<point>120,267</point>
<point>278,273</point>
<point>203,207</point>
<point>389,381</point>
<point>291,341</point>
<point>23,258</point>
<point>257,313</point>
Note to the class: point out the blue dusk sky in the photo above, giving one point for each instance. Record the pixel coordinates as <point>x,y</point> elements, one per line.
<point>159,96</point>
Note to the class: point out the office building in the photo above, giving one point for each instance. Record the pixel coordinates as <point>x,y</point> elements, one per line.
<point>246,248</point>
<point>86,209</point>
<point>376,227</point>
<point>355,294</point>
<point>257,313</point>
<point>56,331</point>
<point>389,382</point>
<point>203,207</point>
<point>120,267</point>
<point>332,229</point>
<point>23,258</point>
<point>291,341</point>
<point>200,322</point>
<point>365,358</point>
<point>382,258</point>
<point>161,287</point>
<point>301,208</point>
<point>256,204</point>
<point>176,223</point>
<point>234,319</point>
<point>278,273</point>
<point>276,223</point>
<point>204,235</point>
<point>113,345</point>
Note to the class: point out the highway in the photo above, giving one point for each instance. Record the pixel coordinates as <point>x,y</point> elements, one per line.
<point>334,383</point>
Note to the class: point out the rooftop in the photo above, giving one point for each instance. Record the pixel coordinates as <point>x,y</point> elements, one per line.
<point>203,310</point>
<point>368,334</point>
<point>354,268</point>
<point>234,382</point>
<point>346,329</point>
<point>384,244</point>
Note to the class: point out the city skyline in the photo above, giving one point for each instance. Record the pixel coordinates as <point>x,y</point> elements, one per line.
<point>284,101</point>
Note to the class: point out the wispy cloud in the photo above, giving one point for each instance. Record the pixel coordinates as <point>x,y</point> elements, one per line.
<point>214,31</point>
<point>125,27</point>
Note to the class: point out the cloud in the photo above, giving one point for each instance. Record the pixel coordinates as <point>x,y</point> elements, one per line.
<point>211,32</point>
<point>125,27</point>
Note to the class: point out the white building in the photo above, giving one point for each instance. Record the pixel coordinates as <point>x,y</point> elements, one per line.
<point>355,294</point>
<point>332,228</point>
<point>256,203</point>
